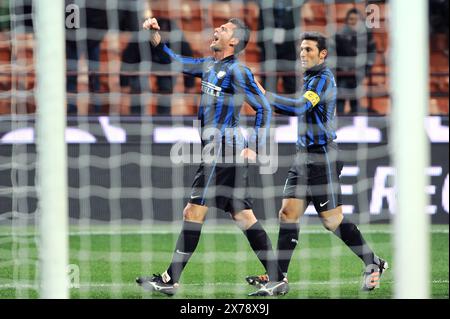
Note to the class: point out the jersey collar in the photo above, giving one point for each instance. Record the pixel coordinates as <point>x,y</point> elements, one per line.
<point>228,58</point>
<point>316,69</point>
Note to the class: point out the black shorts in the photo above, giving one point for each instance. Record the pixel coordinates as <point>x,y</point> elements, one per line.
<point>224,186</point>
<point>314,176</point>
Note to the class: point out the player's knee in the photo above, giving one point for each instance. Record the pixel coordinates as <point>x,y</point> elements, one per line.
<point>332,222</point>
<point>288,214</point>
<point>244,219</point>
<point>191,214</point>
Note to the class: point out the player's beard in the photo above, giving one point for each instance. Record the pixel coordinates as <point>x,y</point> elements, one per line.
<point>215,47</point>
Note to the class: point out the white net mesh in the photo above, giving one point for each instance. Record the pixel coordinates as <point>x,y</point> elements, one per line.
<point>127,108</point>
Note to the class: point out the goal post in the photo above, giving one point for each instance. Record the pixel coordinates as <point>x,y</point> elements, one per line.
<point>94,180</point>
<point>51,149</point>
<point>409,62</point>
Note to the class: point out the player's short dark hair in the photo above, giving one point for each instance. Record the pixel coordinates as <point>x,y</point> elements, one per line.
<point>241,32</point>
<point>317,37</point>
<point>353,11</point>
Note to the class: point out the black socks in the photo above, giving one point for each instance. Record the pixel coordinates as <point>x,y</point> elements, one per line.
<point>258,239</point>
<point>287,241</point>
<point>186,244</point>
<point>262,246</point>
<point>352,237</point>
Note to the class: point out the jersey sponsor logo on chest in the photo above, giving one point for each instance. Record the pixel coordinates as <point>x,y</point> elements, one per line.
<point>211,89</point>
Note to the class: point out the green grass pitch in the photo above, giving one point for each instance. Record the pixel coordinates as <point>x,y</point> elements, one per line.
<point>109,258</point>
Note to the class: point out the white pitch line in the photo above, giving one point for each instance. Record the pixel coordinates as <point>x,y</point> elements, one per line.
<point>219,284</point>
<point>174,230</point>
<point>165,232</point>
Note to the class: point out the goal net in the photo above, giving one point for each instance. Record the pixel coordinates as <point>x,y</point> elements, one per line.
<point>133,147</point>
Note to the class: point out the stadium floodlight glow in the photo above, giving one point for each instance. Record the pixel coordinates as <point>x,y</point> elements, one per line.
<point>51,148</point>
<point>409,31</point>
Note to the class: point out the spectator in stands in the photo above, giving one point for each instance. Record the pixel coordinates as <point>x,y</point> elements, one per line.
<point>21,41</point>
<point>439,18</point>
<point>277,36</point>
<point>85,41</point>
<point>166,83</point>
<point>136,57</point>
<point>356,52</point>
<point>138,52</point>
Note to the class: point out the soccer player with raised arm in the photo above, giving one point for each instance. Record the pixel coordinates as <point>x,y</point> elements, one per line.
<point>314,175</point>
<point>226,84</point>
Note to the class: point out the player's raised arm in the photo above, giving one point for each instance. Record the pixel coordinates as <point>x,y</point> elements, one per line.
<point>152,25</point>
<point>245,85</point>
<point>192,66</point>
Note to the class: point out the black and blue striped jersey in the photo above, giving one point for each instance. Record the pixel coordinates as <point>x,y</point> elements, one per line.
<point>315,108</point>
<point>226,84</point>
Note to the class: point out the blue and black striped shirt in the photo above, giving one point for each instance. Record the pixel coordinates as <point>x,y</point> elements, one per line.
<point>226,84</point>
<point>315,108</point>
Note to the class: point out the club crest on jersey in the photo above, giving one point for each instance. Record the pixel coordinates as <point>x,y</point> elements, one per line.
<point>221,74</point>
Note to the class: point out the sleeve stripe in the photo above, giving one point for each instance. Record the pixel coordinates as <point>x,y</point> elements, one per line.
<point>263,106</point>
<point>286,108</point>
<point>321,84</point>
<point>286,100</point>
<point>253,95</point>
<point>257,107</point>
<point>260,97</point>
<point>193,66</point>
<point>183,59</point>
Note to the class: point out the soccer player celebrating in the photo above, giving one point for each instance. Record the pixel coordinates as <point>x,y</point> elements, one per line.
<point>226,84</point>
<point>314,175</point>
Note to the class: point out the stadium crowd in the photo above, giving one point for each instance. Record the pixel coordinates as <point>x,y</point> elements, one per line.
<point>111,69</point>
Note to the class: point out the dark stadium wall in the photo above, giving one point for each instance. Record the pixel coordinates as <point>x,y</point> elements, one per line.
<point>150,187</point>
